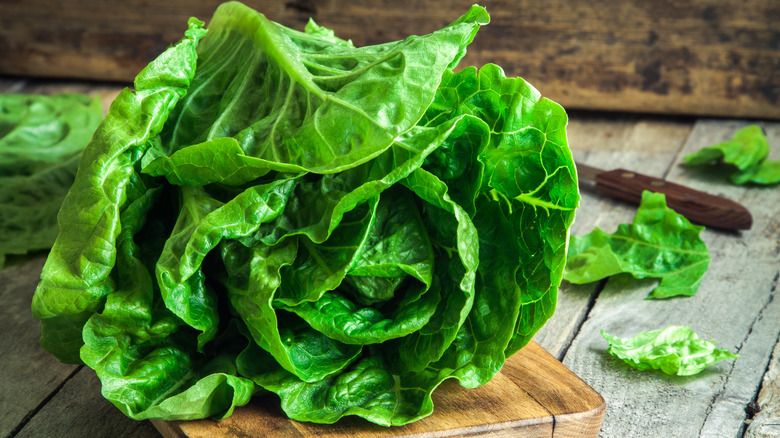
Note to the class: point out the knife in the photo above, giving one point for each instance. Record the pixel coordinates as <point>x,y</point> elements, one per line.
<point>697,206</point>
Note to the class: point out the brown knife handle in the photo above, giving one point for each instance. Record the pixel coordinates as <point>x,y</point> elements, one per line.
<point>699,207</point>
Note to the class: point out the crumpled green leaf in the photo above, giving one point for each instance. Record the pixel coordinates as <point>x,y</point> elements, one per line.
<point>659,243</point>
<point>673,350</point>
<point>745,154</point>
<point>346,227</point>
<point>41,140</point>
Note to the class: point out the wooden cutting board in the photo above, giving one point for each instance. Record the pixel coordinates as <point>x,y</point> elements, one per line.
<point>534,396</point>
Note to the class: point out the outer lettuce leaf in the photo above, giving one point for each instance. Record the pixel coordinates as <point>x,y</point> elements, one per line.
<point>41,141</point>
<point>76,276</point>
<point>519,177</point>
<point>314,106</point>
<point>281,211</point>
<point>745,154</point>
<point>673,350</point>
<point>659,244</point>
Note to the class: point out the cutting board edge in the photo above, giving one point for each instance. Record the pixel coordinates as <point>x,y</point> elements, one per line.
<point>574,409</point>
<point>541,427</point>
<point>580,424</point>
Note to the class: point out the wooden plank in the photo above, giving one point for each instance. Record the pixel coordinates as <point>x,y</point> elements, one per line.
<point>78,410</point>
<point>699,57</point>
<point>735,306</point>
<point>8,85</point>
<point>30,374</point>
<point>534,396</point>
<point>765,423</point>
<point>39,396</point>
<point>752,266</point>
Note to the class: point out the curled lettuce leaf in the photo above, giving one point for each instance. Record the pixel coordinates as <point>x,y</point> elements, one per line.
<point>347,227</point>
<point>745,154</point>
<point>41,141</point>
<point>659,243</point>
<point>673,350</point>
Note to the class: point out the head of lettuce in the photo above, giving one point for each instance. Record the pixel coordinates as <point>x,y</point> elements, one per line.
<point>275,210</point>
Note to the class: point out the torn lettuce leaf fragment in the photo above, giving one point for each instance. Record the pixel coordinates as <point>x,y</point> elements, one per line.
<point>41,140</point>
<point>275,210</point>
<point>746,156</point>
<point>659,243</point>
<point>675,350</point>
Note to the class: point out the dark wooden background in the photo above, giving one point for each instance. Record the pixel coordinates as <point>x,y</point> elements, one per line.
<point>696,57</point>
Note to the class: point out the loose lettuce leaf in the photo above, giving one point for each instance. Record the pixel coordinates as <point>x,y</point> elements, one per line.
<point>673,350</point>
<point>659,244</point>
<point>745,154</point>
<point>346,227</point>
<point>41,141</point>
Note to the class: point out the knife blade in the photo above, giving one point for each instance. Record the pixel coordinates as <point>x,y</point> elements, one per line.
<point>700,207</point>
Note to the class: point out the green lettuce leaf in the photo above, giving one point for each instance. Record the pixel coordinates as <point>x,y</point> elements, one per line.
<point>673,350</point>
<point>745,154</point>
<point>658,244</point>
<point>511,171</point>
<point>76,277</point>
<point>347,227</point>
<point>315,106</point>
<point>41,141</point>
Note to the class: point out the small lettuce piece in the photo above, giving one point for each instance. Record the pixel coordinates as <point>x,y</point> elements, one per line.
<point>659,244</point>
<point>746,152</point>
<point>41,141</point>
<point>673,350</point>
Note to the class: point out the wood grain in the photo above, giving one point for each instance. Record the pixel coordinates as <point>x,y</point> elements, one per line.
<point>78,410</point>
<point>702,57</point>
<point>764,423</point>
<point>30,374</point>
<point>39,396</point>
<point>533,396</point>
<point>736,305</point>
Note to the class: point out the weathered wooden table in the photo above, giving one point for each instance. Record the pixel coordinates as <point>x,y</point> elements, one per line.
<point>735,305</point>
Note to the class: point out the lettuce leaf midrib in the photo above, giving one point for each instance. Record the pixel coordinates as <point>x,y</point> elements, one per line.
<point>675,249</point>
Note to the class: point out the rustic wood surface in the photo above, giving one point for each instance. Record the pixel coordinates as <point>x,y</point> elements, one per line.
<point>766,422</point>
<point>735,306</point>
<point>703,57</point>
